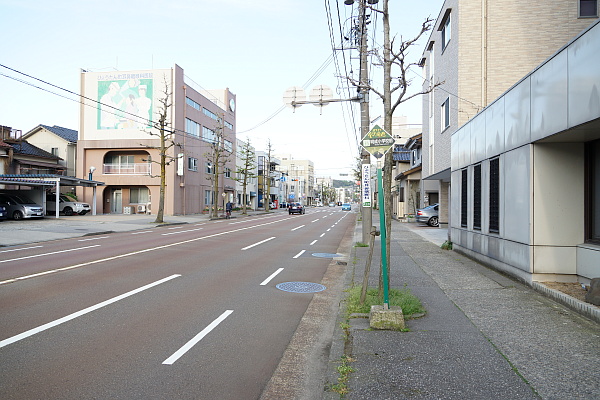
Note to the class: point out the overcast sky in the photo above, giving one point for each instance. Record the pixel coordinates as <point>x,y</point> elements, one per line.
<point>257,49</point>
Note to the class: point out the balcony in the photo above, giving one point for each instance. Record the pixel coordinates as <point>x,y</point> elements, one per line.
<point>127,169</point>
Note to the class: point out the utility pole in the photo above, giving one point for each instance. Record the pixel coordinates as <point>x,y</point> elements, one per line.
<point>367,212</point>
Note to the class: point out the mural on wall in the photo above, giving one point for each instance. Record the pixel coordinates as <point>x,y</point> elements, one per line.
<point>125,101</point>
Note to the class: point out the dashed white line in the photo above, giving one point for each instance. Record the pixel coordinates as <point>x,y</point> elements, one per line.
<point>256,244</point>
<point>139,233</point>
<point>328,229</point>
<point>186,347</point>
<point>47,254</point>
<point>313,242</point>
<point>69,317</point>
<point>299,254</point>
<point>273,275</point>
<point>24,248</point>
<point>322,234</point>
<point>315,220</point>
<point>298,227</point>
<point>96,238</point>
<point>178,232</point>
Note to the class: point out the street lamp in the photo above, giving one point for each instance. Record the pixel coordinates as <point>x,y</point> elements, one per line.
<point>90,175</point>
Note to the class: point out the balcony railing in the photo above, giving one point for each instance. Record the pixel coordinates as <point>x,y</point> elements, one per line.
<point>127,169</point>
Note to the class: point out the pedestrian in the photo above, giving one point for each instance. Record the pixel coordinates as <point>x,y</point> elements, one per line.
<point>228,208</point>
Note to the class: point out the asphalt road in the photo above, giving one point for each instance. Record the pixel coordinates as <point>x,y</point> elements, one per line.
<point>187,312</point>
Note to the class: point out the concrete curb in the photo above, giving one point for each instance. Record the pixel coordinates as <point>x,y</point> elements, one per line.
<point>587,310</point>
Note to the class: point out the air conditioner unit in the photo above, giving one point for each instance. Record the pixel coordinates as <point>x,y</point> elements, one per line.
<point>141,208</point>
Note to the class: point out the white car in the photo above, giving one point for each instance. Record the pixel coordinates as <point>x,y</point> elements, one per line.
<point>66,206</point>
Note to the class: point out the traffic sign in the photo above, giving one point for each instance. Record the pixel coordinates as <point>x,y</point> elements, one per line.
<point>377,142</point>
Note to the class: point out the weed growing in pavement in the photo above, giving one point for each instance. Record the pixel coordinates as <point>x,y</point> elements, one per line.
<point>344,370</point>
<point>409,303</point>
<point>447,245</point>
<point>361,244</point>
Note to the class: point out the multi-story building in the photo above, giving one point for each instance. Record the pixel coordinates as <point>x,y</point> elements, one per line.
<point>526,171</point>
<point>269,179</point>
<point>119,143</point>
<point>59,141</point>
<point>477,50</point>
<point>300,178</point>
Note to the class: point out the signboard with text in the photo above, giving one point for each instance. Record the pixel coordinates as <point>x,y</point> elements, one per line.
<point>366,185</point>
<point>377,142</point>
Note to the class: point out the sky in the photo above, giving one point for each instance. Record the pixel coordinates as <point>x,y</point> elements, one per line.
<point>258,49</point>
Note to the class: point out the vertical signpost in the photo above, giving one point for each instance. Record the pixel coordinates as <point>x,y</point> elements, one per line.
<point>378,142</point>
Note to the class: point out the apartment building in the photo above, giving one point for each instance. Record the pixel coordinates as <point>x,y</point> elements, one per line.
<point>300,179</point>
<point>525,174</point>
<point>120,146</point>
<point>477,50</point>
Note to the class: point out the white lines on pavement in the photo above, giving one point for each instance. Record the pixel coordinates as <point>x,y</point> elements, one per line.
<point>77,314</point>
<point>139,233</point>
<point>24,248</point>
<point>322,234</point>
<point>175,227</point>
<point>178,232</point>
<point>299,254</point>
<point>186,347</point>
<point>313,242</point>
<point>256,244</point>
<point>298,227</point>
<point>96,238</point>
<point>47,254</point>
<point>315,220</point>
<point>273,275</point>
<point>328,229</point>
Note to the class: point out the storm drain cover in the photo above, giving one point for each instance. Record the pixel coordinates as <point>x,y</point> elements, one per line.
<point>300,287</point>
<point>325,255</point>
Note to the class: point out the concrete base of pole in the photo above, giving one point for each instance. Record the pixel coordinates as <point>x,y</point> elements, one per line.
<point>387,319</point>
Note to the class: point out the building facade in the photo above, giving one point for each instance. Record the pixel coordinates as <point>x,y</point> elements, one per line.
<point>477,50</point>
<point>119,142</point>
<point>526,172</point>
<point>299,178</point>
<point>59,141</point>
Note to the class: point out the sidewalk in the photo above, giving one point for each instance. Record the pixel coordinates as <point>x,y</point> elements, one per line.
<point>50,228</point>
<point>484,336</point>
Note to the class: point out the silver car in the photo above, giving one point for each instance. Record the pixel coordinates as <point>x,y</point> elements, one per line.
<point>19,206</point>
<point>429,215</point>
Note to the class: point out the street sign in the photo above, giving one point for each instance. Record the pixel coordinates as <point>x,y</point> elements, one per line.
<point>377,142</point>
<point>366,185</point>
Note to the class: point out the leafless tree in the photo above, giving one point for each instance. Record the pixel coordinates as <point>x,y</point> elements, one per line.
<point>245,171</point>
<point>218,156</point>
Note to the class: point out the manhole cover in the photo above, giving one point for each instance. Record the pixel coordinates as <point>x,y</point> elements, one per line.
<point>325,255</point>
<point>300,287</point>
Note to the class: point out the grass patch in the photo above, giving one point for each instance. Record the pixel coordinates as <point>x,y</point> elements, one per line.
<point>361,244</point>
<point>409,303</point>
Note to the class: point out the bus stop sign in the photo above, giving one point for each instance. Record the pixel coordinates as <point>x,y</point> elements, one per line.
<point>377,142</point>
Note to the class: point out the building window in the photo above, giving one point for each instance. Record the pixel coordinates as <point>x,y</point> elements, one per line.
<point>192,164</point>
<point>54,151</point>
<point>227,172</point>
<point>210,169</point>
<point>209,113</point>
<point>588,8</point>
<point>139,195</point>
<point>477,197</point>
<point>463,198</point>
<point>592,197</point>
<point>192,127</point>
<point>494,211</point>
<point>227,145</point>
<point>446,28</point>
<point>445,114</point>
<point>208,135</point>
<point>401,194</point>
<point>208,197</point>
<point>229,125</point>
<point>192,103</point>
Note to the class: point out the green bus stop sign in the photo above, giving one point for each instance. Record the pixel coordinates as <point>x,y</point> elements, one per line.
<point>377,142</point>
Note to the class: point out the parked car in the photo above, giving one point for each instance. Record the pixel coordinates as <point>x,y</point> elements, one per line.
<point>19,206</point>
<point>272,206</point>
<point>3,213</point>
<point>332,204</point>
<point>346,207</point>
<point>296,208</point>
<point>429,215</point>
<point>66,205</point>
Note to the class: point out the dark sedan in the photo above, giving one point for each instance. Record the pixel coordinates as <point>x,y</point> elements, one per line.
<point>296,208</point>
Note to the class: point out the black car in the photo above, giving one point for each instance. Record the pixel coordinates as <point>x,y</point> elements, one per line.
<point>296,208</point>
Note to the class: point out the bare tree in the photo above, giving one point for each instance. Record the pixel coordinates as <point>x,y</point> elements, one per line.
<point>245,171</point>
<point>218,156</point>
<point>393,59</point>
<point>166,141</point>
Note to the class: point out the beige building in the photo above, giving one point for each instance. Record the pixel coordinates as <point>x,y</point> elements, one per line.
<point>479,49</point>
<point>300,178</point>
<point>118,142</point>
<point>59,141</point>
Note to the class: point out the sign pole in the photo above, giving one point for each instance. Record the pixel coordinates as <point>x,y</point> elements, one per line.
<point>382,229</point>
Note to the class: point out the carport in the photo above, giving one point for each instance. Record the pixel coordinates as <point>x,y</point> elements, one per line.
<point>45,181</point>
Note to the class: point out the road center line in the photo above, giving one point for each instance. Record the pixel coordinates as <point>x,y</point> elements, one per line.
<point>47,254</point>
<point>299,254</point>
<point>322,234</point>
<point>77,314</point>
<point>315,220</point>
<point>313,242</point>
<point>186,347</point>
<point>298,227</point>
<point>256,244</point>
<point>139,233</point>
<point>273,275</point>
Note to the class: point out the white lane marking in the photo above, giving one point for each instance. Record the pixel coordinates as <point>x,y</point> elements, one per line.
<point>138,252</point>
<point>47,254</point>
<point>175,227</point>
<point>273,275</point>
<point>139,233</point>
<point>77,314</point>
<point>322,234</point>
<point>313,242</point>
<point>298,227</point>
<point>299,254</point>
<point>256,244</point>
<point>328,229</point>
<point>24,248</point>
<point>96,238</point>
<point>186,347</point>
<point>178,232</point>
<point>316,220</point>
